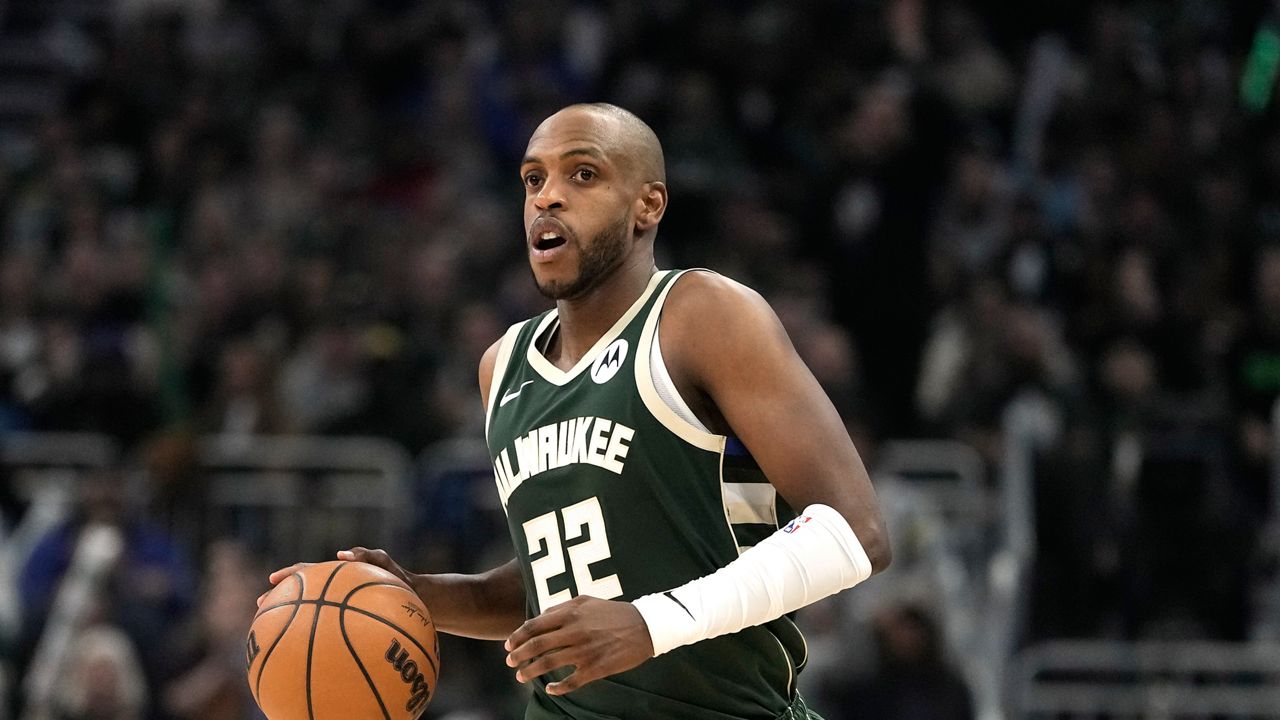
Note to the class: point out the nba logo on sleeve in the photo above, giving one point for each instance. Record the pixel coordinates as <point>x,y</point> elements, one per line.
<point>608,362</point>
<point>796,523</point>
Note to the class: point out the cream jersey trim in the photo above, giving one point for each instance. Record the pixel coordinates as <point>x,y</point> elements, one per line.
<point>505,348</point>
<point>695,436</point>
<point>666,387</point>
<point>555,375</point>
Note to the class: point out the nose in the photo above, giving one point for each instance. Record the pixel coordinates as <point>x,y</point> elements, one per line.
<point>549,196</point>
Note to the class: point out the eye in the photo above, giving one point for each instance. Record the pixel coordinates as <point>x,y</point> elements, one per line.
<point>585,174</point>
<point>532,180</point>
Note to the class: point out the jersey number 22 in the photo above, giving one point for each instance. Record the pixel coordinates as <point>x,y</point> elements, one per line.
<point>545,533</point>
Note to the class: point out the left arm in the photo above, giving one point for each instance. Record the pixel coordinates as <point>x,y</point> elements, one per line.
<point>731,358</point>
<point>726,340</point>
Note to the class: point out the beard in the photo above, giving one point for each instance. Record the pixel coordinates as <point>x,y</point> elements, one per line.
<point>596,262</point>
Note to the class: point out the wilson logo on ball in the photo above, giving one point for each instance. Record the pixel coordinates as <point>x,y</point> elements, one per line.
<point>316,646</point>
<point>409,672</point>
<point>251,650</point>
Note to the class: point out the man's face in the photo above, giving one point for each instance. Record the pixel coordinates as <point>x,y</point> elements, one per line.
<point>578,206</point>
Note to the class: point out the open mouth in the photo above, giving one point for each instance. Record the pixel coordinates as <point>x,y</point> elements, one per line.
<point>547,241</point>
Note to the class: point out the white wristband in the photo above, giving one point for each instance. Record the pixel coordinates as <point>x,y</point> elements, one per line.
<point>814,556</point>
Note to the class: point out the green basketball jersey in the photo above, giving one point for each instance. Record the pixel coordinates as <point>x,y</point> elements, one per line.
<point>609,492</point>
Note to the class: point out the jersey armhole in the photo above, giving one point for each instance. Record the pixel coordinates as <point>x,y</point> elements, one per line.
<point>649,392</point>
<point>666,386</point>
<point>503,359</point>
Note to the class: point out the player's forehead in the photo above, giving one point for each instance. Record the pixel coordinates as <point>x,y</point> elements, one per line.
<point>575,131</point>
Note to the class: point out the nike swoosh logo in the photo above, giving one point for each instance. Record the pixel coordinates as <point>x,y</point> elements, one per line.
<point>676,600</point>
<point>512,395</point>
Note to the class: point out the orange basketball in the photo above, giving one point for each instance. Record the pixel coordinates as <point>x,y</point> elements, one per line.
<point>341,641</point>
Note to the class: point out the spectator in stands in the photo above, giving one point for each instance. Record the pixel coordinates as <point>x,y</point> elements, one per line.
<point>971,230</point>
<point>913,679</point>
<point>1254,374</point>
<point>149,590</point>
<point>885,175</point>
<point>324,382</point>
<point>983,351</point>
<point>104,680</point>
<point>244,400</point>
<point>261,217</point>
<point>19,338</point>
<point>213,686</point>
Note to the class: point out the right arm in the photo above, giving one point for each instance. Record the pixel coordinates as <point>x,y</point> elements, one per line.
<point>487,606</point>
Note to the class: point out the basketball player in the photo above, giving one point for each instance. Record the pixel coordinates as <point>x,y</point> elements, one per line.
<point>650,437</point>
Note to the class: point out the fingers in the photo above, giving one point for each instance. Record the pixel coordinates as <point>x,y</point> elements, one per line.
<point>378,558</point>
<point>544,623</point>
<point>584,663</point>
<point>539,645</point>
<point>576,679</point>
<point>373,557</point>
<point>275,578</point>
<point>542,644</point>
<point>592,638</point>
<point>355,554</point>
<point>545,663</point>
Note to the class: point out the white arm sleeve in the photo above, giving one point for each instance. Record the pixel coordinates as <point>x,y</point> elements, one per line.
<point>814,556</point>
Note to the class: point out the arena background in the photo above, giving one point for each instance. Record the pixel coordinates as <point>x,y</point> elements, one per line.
<point>252,250</point>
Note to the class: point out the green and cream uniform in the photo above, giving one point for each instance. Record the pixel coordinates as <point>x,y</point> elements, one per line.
<point>613,489</point>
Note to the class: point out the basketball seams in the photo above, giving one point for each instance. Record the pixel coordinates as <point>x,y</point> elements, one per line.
<point>393,611</point>
<point>346,601</point>
<point>311,644</point>
<point>400,630</point>
<point>345,605</point>
<point>325,603</point>
<point>302,587</point>
<point>342,626</point>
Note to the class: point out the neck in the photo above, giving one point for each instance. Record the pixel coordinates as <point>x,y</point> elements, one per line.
<point>585,319</point>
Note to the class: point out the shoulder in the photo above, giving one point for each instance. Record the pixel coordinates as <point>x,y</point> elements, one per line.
<point>489,361</point>
<point>706,285</point>
<point>713,307</point>
<point>498,354</point>
<point>711,323</point>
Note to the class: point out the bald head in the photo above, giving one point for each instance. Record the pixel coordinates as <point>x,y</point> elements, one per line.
<point>594,175</point>
<point>635,142</point>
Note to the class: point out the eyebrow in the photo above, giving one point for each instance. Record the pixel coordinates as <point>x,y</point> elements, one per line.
<point>589,152</point>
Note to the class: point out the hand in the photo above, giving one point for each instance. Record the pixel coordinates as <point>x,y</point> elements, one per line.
<point>355,554</point>
<point>275,577</point>
<point>379,558</point>
<point>597,637</point>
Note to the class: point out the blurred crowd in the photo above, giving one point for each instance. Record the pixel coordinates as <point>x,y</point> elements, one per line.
<point>279,216</point>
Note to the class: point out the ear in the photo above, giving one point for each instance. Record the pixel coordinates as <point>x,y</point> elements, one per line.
<point>651,205</point>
